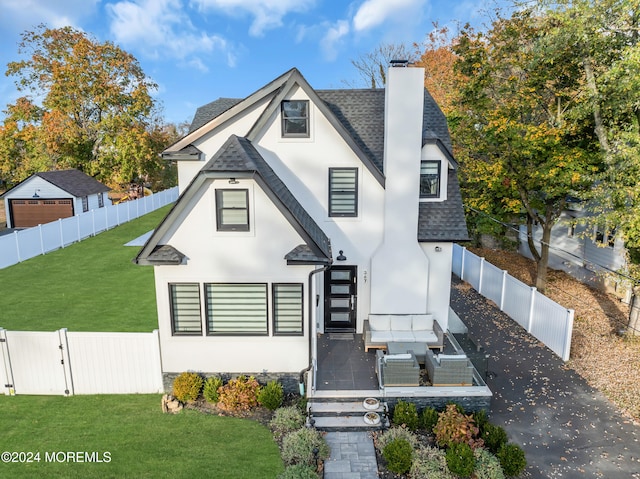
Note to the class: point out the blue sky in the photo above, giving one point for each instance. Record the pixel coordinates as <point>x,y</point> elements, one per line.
<point>200,50</point>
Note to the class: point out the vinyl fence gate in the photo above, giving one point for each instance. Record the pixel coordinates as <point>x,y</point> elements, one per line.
<point>66,363</point>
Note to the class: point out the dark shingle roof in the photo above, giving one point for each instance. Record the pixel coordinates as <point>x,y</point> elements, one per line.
<point>443,220</point>
<point>165,254</point>
<point>362,114</point>
<point>239,155</point>
<point>74,182</point>
<point>208,112</point>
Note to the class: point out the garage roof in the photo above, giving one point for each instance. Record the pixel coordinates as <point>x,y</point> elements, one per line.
<point>73,181</point>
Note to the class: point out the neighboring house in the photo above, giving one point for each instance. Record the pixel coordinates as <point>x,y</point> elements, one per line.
<point>589,253</point>
<point>301,212</point>
<point>50,195</point>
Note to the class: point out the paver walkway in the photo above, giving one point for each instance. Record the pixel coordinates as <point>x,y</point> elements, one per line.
<point>352,456</point>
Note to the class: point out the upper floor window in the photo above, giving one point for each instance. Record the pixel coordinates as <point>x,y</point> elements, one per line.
<point>429,179</point>
<point>343,192</point>
<point>605,236</point>
<point>295,118</point>
<point>232,210</point>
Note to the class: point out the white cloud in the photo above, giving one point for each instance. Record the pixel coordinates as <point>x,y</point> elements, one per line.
<point>267,14</point>
<point>161,28</point>
<point>20,15</point>
<point>332,38</point>
<point>373,13</point>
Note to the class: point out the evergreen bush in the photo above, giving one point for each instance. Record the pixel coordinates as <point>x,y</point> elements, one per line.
<point>187,386</point>
<point>406,413</point>
<point>210,391</point>
<point>511,459</point>
<point>399,456</point>
<point>460,459</point>
<point>271,395</point>
<point>393,433</point>
<point>494,437</point>
<point>429,418</point>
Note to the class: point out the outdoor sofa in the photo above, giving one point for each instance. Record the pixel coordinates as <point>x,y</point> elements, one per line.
<point>381,329</point>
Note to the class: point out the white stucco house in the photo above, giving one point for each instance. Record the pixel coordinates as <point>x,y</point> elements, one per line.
<point>303,212</point>
<point>49,195</point>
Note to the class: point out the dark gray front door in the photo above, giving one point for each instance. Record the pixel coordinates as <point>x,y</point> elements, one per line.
<point>340,298</point>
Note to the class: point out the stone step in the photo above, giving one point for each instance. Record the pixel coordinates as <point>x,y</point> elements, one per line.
<point>341,408</point>
<point>347,423</point>
<point>345,416</point>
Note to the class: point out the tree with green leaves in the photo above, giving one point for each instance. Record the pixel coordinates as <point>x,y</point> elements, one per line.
<point>87,105</point>
<point>603,36</point>
<point>525,150</point>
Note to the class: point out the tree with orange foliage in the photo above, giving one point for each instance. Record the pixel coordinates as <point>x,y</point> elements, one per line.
<point>87,106</point>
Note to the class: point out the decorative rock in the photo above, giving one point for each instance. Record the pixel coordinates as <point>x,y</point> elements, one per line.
<point>170,404</point>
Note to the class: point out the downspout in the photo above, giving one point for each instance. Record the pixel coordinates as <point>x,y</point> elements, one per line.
<point>311,328</point>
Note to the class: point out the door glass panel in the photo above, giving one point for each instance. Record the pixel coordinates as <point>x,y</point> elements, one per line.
<point>340,317</point>
<point>339,289</point>
<point>339,303</point>
<point>338,275</point>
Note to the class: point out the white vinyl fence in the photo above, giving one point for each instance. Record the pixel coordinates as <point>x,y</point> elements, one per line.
<point>546,320</point>
<point>67,363</point>
<point>25,244</point>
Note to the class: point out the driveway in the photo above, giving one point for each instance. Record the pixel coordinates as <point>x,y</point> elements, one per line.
<point>566,428</point>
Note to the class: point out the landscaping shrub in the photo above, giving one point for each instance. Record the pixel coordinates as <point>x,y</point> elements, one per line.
<point>511,459</point>
<point>481,420</point>
<point>298,446</point>
<point>393,433</point>
<point>187,386</point>
<point>300,471</point>
<point>271,395</point>
<point>239,394</point>
<point>429,418</point>
<point>406,413</point>
<point>286,420</point>
<point>460,459</point>
<point>399,455</point>
<point>454,427</point>
<point>494,437</point>
<point>211,387</point>
<point>487,465</point>
<point>430,463</point>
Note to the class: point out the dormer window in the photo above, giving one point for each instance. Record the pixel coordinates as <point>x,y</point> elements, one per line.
<point>295,118</point>
<point>429,179</point>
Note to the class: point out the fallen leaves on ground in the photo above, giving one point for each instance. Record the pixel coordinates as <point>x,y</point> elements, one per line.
<point>609,362</point>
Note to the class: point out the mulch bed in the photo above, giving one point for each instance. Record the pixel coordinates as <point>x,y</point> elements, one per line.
<point>608,361</point>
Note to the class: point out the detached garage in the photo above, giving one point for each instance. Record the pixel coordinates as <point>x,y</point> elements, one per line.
<point>50,195</point>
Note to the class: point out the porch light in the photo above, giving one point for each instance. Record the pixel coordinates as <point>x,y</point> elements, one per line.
<point>341,256</point>
<point>438,249</point>
<point>233,181</point>
<point>35,194</point>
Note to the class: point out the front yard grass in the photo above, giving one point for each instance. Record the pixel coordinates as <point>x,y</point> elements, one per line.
<point>89,286</point>
<point>140,440</point>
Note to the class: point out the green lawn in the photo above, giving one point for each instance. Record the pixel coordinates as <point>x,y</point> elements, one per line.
<point>135,437</point>
<point>89,286</point>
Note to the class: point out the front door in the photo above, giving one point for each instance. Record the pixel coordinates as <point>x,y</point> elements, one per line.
<point>340,298</point>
